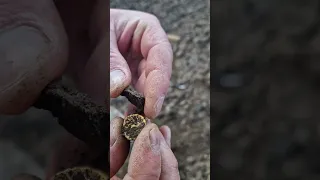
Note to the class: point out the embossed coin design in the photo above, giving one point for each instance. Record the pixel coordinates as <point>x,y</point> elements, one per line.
<point>80,173</point>
<point>133,125</point>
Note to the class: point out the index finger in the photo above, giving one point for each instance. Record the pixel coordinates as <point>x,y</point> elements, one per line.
<point>157,50</point>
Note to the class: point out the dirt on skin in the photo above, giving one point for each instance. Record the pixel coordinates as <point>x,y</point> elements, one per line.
<point>186,109</point>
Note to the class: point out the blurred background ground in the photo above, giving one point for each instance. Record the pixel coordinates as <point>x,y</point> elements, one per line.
<point>26,141</point>
<point>266,77</point>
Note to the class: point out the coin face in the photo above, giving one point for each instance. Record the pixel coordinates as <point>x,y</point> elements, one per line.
<point>80,173</point>
<point>133,125</point>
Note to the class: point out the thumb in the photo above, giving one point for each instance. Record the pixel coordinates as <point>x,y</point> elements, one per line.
<point>120,74</point>
<point>145,159</point>
<point>33,51</point>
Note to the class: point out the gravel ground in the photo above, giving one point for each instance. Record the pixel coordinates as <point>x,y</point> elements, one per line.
<point>187,107</point>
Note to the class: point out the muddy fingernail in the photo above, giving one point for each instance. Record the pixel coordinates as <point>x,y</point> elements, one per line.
<point>20,47</point>
<point>158,105</point>
<point>117,78</point>
<point>155,140</point>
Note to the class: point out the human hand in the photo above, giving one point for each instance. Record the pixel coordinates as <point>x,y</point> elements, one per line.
<point>148,160</point>
<point>42,39</point>
<point>141,55</point>
<point>151,157</point>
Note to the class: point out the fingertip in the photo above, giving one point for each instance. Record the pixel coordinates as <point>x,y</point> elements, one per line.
<point>119,146</point>
<point>166,132</point>
<point>153,107</point>
<point>145,159</point>
<point>119,80</point>
<point>169,163</point>
<point>156,87</point>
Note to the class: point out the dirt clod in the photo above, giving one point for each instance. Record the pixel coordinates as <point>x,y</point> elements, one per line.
<point>135,98</point>
<point>77,113</point>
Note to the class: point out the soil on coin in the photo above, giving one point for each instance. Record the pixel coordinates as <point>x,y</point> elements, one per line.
<point>80,173</point>
<point>132,126</point>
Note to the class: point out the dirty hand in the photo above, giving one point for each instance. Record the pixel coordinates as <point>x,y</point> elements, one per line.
<point>42,39</point>
<point>151,157</point>
<point>141,55</point>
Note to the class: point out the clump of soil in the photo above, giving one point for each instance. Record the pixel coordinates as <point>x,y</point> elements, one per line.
<point>77,113</point>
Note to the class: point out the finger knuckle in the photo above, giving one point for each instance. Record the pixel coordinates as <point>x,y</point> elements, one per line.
<point>150,15</point>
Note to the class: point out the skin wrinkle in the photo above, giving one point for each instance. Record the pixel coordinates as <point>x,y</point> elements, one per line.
<point>159,80</point>
<point>137,36</point>
<point>141,68</point>
<point>151,66</point>
<point>150,31</point>
<point>134,55</point>
<point>127,33</point>
<point>118,27</point>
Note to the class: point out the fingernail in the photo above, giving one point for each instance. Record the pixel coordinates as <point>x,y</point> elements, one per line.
<point>21,47</point>
<point>117,78</point>
<point>158,105</point>
<point>155,140</point>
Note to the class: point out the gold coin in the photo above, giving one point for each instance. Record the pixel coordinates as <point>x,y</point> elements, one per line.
<point>80,173</point>
<point>133,125</point>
